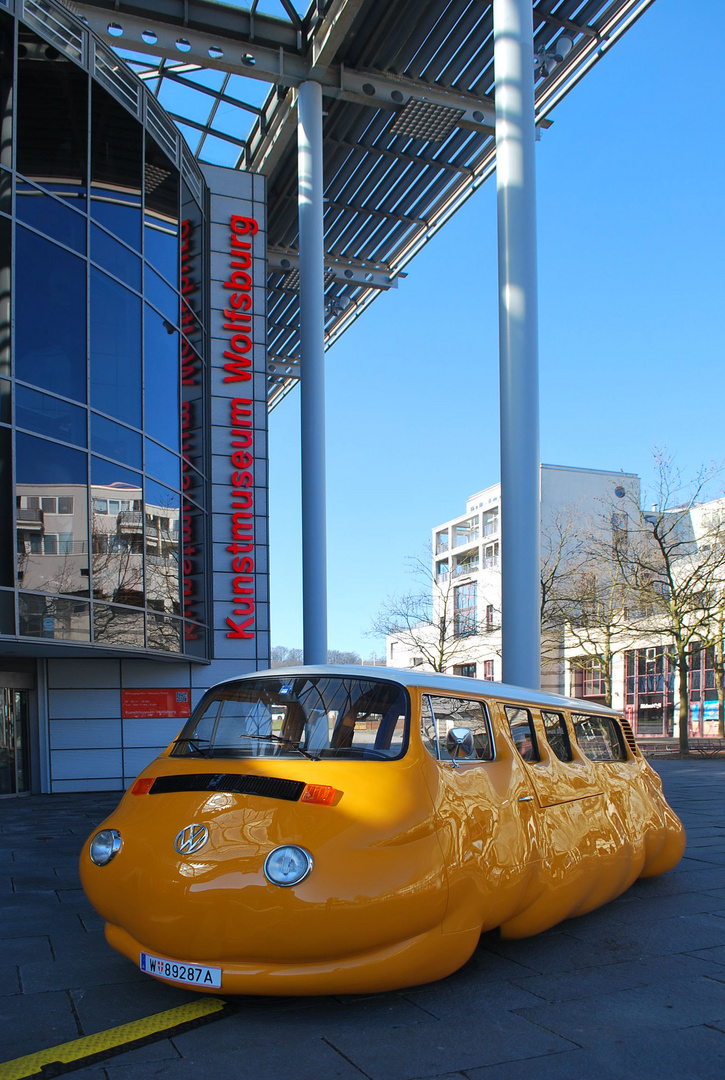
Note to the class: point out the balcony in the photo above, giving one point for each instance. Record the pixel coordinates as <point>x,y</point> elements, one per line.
<point>30,520</point>
<point>468,566</point>
<point>130,521</point>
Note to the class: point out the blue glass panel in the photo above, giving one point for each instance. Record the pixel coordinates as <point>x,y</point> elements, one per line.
<point>5,401</point>
<point>162,512</point>
<point>41,462</point>
<point>106,474</point>
<point>52,516</point>
<point>51,216</point>
<point>161,240</point>
<point>115,258</point>
<point>164,634</point>
<point>5,274</point>
<point>161,380</point>
<point>51,617</point>
<point>116,167</point>
<point>6,508</point>
<point>52,107</point>
<point>161,498</point>
<point>123,219</point>
<point>161,247</point>
<point>50,416</point>
<point>161,295</point>
<point>115,441</point>
<point>194,639</point>
<point>50,316</point>
<point>118,626</point>
<point>7,612</point>
<point>115,316</point>
<point>117,534</point>
<point>162,465</point>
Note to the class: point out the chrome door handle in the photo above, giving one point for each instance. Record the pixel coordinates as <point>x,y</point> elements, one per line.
<point>526,798</point>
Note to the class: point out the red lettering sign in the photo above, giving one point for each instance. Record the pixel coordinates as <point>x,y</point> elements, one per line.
<point>238,368</point>
<point>155,704</point>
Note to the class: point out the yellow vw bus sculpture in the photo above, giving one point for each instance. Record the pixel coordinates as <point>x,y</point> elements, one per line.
<point>319,830</point>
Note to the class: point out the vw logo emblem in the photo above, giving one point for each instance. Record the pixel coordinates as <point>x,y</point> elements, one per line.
<point>191,838</point>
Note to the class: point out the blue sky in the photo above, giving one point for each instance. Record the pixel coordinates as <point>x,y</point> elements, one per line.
<point>631,302</point>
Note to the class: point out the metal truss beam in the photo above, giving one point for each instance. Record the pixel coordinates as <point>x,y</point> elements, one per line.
<point>337,268</point>
<point>198,15</point>
<point>237,53</point>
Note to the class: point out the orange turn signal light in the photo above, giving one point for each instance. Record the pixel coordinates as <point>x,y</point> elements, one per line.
<point>143,786</point>
<point>319,793</point>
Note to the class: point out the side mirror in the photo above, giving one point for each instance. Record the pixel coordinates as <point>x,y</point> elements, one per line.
<point>459,742</point>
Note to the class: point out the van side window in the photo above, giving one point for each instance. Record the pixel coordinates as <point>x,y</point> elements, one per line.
<point>522,729</point>
<point>599,738</point>
<point>427,727</point>
<point>557,735</point>
<point>441,714</point>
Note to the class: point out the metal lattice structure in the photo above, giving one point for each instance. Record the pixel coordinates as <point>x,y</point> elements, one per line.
<point>408,131</point>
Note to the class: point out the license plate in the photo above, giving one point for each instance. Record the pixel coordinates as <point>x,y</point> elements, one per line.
<point>180,971</point>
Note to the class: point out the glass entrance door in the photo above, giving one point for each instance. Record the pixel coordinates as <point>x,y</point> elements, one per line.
<point>14,742</point>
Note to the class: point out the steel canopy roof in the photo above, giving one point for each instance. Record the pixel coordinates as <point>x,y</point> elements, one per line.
<point>408,132</point>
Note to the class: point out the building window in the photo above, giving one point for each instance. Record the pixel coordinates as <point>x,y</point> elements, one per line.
<point>467,671</point>
<point>490,556</point>
<point>442,570</point>
<point>649,688</point>
<point>441,541</point>
<point>490,522</point>
<point>490,617</point>
<point>466,564</point>
<point>593,682</point>
<point>465,532</point>
<point>465,598</point>
<point>703,693</point>
<point>488,670</point>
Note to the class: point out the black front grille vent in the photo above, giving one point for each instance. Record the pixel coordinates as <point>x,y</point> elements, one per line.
<point>270,787</point>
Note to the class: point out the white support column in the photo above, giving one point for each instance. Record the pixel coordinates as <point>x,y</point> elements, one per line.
<point>518,342</point>
<point>312,365</point>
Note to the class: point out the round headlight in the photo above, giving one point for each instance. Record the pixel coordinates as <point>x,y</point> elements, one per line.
<point>288,865</point>
<point>104,846</point>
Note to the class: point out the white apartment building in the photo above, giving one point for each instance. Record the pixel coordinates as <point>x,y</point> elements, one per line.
<point>466,570</point>
<point>466,587</point>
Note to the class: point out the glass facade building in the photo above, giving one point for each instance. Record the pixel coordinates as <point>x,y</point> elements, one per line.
<point>102,364</point>
<point>132,451</point>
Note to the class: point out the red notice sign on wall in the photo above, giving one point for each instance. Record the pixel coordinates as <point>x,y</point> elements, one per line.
<point>155,704</point>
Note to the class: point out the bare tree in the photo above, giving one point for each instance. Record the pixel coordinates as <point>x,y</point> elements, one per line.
<point>589,595</point>
<point>431,620</point>
<point>283,657</point>
<point>671,573</point>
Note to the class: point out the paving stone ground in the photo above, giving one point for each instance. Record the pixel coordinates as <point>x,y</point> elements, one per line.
<point>635,989</point>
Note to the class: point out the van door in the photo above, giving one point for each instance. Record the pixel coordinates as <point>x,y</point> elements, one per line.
<point>559,773</point>
<point>485,811</point>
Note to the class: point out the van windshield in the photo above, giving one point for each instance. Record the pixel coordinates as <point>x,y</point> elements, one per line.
<point>325,716</point>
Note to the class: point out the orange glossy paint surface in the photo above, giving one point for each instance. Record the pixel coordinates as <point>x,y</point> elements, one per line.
<point>413,858</point>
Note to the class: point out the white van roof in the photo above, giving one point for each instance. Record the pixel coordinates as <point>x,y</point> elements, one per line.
<point>433,681</point>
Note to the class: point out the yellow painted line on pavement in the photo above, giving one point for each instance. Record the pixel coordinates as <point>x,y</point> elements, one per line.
<point>90,1045</point>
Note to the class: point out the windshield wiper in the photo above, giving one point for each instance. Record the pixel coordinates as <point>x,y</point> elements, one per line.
<point>285,742</point>
<point>205,752</point>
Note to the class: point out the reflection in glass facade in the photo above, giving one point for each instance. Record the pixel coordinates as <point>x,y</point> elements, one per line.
<point>103,380</point>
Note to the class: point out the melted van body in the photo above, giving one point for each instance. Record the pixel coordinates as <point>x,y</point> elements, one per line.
<point>320,830</point>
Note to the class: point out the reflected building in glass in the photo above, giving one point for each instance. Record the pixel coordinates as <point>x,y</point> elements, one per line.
<point>117,416</point>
